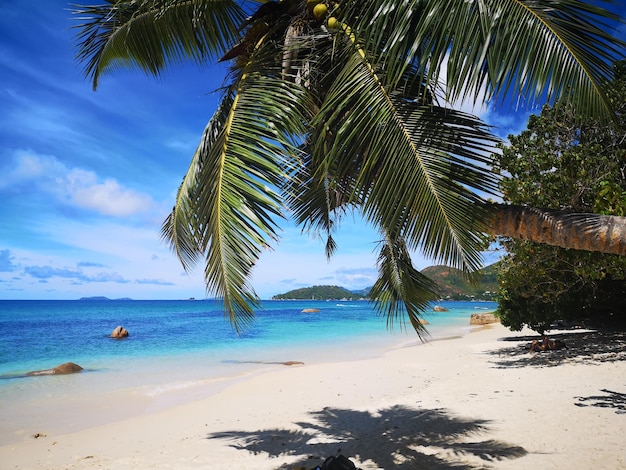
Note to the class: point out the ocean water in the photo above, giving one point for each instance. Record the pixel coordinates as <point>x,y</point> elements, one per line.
<point>176,351</point>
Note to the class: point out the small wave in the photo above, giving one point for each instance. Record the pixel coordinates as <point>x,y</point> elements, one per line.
<point>161,389</point>
<point>13,376</point>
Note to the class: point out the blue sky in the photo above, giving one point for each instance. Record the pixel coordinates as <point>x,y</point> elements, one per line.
<point>86,178</point>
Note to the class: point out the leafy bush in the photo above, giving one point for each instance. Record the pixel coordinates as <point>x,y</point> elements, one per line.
<point>562,162</point>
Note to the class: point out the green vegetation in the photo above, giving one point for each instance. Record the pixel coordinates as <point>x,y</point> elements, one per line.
<point>319,293</point>
<point>451,284</point>
<point>454,285</point>
<point>565,161</point>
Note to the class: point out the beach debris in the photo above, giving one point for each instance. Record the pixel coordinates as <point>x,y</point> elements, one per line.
<point>310,310</point>
<point>483,319</point>
<point>119,332</point>
<point>37,435</point>
<point>67,368</point>
<point>439,308</point>
<point>340,462</point>
<point>546,344</point>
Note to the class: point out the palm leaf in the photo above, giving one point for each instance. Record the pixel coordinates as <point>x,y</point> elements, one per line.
<point>151,34</point>
<point>414,164</point>
<point>401,290</point>
<point>182,229</point>
<point>229,201</point>
<point>534,50</point>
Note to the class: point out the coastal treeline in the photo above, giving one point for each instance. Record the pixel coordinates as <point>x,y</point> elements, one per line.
<point>565,161</point>
<point>452,284</point>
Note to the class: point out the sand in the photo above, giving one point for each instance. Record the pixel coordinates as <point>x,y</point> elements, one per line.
<point>474,402</point>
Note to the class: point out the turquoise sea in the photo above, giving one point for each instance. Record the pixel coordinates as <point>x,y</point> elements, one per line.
<point>176,351</point>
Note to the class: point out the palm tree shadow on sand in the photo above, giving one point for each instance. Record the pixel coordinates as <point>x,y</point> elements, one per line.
<point>394,438</point>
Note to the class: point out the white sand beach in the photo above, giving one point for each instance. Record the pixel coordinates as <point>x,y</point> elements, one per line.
<point>475,402</point>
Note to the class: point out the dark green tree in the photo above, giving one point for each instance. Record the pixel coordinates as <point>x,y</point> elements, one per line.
<point>566,163</point>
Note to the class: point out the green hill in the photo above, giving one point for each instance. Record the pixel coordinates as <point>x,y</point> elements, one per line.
<point>454,286</point>
<point>319,293</point>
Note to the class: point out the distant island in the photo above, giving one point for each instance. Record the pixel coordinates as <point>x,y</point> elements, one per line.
<point>320,293</point>
<point>99,298</point>
<point>452,286</point>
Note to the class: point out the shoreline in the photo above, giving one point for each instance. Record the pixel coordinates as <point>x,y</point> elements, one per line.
<point>91,401</point>
<point>481,400</point>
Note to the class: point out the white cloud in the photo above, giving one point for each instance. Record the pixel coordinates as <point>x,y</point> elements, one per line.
<point>82,189</point>
<point>76,187</point>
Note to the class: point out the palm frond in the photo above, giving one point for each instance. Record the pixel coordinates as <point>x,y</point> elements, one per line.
<point>413,165</point>
<point>317,203</point>
<point>151,34</point>
<point>182,229</point>
<point>534,50</point>
<point>401,290</point>
<point>317,197</point>
<point>230,200</point>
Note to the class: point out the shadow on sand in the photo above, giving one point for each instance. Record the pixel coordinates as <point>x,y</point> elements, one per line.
<point>609,399</point>
<point>393,438</point>
<point>584,347</point>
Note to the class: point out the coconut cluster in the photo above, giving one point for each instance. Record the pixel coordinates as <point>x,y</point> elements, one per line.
<point>318,8</point>
<point>320,12</point>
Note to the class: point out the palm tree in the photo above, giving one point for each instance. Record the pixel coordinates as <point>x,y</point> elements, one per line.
<point>333,106</point>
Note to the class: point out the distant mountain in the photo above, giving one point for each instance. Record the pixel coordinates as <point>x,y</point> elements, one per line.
<point>362,292</point>
<point>319,293</point>
<point>452,286</point>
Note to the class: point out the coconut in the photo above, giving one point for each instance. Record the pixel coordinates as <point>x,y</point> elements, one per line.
<point>333,23</point>
<point>319,12</point>
<point>311,4</point>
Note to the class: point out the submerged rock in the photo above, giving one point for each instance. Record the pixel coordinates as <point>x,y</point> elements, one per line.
<point>67,368</point>
<point>439,308</point>
<point>310,310</point>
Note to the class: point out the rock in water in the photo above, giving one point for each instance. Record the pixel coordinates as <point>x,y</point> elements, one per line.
<point>119,332</point>
<point>67,368</point>
<point>483,319</point>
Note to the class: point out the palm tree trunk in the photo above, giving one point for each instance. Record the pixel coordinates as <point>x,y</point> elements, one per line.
<point>589,232</point>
